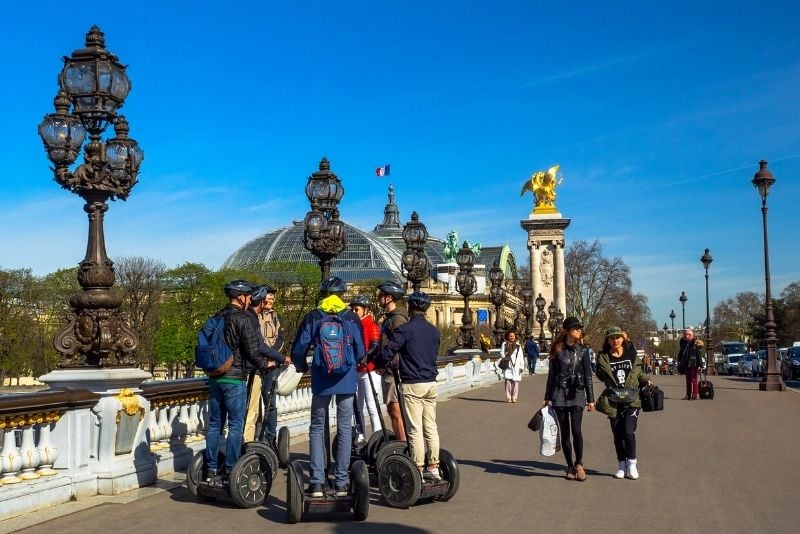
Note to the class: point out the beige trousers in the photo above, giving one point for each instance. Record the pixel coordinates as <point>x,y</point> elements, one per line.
<point>253,408</point>
<point>420,404</point>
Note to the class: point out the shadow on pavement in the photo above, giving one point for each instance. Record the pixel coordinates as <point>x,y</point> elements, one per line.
<point>519,468</point>
<point>479,400</point>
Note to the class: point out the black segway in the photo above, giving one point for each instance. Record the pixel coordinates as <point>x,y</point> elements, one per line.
<point>299,503</point>
<point>400,482</point>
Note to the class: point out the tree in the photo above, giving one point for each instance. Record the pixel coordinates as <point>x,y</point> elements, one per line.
<point>733,317</point>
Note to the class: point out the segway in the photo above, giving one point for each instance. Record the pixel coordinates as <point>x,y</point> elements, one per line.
<point>249,480</point>
<point>399,480</point>
<point>300,504</point>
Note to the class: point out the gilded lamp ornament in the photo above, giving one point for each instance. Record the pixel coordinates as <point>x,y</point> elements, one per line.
<point>93,85</point>
<point>543,186</point>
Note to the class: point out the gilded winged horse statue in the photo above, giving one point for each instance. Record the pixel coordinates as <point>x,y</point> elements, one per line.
<point>543,186</point>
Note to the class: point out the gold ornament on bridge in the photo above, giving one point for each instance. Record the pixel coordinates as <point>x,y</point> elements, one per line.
<point>543,186</point>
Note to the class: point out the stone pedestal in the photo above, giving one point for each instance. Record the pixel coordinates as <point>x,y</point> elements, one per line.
<point>546,248</point>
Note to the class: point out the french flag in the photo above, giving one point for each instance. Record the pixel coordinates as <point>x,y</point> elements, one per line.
<point>383,171</point>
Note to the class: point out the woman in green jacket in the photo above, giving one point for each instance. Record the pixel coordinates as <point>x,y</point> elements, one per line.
<point>619,366</point>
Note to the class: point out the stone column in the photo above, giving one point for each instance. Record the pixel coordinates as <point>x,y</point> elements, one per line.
<point>560,278</point>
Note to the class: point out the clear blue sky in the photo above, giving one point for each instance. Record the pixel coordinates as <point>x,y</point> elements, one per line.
<point>657,112</point>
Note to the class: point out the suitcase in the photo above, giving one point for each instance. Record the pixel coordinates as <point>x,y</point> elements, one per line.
<point>652,399</point>
<point>706,389</point>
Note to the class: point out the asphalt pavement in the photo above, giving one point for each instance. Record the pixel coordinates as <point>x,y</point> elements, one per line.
<point>725,465</point>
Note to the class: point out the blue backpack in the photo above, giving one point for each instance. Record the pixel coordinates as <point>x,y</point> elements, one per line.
<point>212,354</point>
<point>334,348</point>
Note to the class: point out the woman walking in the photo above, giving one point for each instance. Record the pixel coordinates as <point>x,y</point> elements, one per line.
<point>568,390</point>
<point>511,351</point>
<point>620,369</point>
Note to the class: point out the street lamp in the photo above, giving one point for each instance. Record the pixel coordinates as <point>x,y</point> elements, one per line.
<point>541,317</point>
<point>551,321</point>
<point>711,365</point>
<point>498,296</point>
<point>324,235</point>
<point>674,350</point>
<point>415,263</point>
<point>527,308</point>
<point>683,300</point>
<point>772,380</point>
<point>466,286</point>
<point>93,86</point>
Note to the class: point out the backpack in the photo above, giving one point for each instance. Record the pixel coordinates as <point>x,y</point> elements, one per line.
<point>212,354</point>
<point>334,346</point>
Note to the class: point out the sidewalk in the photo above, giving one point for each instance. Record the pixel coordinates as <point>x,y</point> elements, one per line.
<point>727,465</point>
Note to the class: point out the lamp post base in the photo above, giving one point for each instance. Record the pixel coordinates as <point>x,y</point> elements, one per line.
<point>772,382</point>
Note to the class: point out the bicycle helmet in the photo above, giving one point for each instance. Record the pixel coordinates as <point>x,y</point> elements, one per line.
<point>259,293</point>
<point>333,284</point>
<point>390,287</point>
<point>360,300</point>
<point>238,287</point>
<point>419,301</point>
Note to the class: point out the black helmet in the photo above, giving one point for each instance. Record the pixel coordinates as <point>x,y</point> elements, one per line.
<point>269,289</point>
<point>419,301</point>
<point>360,300</point>
<point>390,287</point>
<point>259,293</point>
<point>238,287</point>
<point>333,284</point>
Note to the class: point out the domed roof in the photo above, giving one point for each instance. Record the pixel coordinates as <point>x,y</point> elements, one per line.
<point>366,256</point>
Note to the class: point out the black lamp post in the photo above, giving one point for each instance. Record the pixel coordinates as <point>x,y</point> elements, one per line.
<point>527,308</point>
<point>541,317</point>
<point>711,365</point>
<point>674,350</point>
<point>552,322</point>
<point>497,296</point>
<point>93,86</point>
<point>666,331</point>
<point>415,264</point>
<point>324,233</point>
<point>466,286</point>
<point>683,300</point>
<point>772,380</point>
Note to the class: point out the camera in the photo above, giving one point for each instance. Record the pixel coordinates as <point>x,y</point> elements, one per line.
<point>572,382</point>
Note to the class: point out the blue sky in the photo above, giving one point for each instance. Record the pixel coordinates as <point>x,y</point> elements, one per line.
<point>657,112</point>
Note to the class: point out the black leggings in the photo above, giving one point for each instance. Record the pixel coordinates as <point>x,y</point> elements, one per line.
<point>569,422</point>
<point>623,426</point>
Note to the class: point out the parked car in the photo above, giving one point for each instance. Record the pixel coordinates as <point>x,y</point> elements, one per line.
<point>730,364</point>
<point>790,365</point>
<point>759,363</point>
<point>732,353</point>
<point>746,365</point>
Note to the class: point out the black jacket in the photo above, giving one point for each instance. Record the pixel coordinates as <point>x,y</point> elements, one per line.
<point>689,356</point>
<point>564,369</point>
<point>417,344</point>
<point>241,337</point>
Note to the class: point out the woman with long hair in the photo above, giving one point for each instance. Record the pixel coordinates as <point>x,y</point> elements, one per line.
<point>568,390</point>
<point>512,352</point>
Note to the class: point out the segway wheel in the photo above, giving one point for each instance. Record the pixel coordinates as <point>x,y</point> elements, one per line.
<point>283,447</point>
<point>449,470</point>
<point>294,493</point>
<point>250,481</point>
<point>196,473</point>
<point>393,447</point>
<point>375,443</point>
<point>399,481</point>
<point>266,451</point>
<point>359,476</point>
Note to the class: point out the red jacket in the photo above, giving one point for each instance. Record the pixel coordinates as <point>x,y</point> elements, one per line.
<point>372,338</point>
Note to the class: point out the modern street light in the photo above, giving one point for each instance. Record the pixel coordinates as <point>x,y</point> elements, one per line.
<point>324,233</point>
<point>772,380</point>
<point>497,296</point>
<point>711,365</point>
<point>466,286</point>
<point>416,266</point>
<point>93,85</point>
<point>674,345</point>
<point>541,317</point>
<point>683,300</point>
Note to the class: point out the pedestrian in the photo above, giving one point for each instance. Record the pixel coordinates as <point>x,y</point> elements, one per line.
<point>532,353</point>
<point>417,344</point>
<point>366,371</point>
<point>331,314</point>
<point>568,390</point>
<point>227,393</point>
<point>511,352</point>
<point>619,366</point>
<point>389,294</point>
<point>690,359</point>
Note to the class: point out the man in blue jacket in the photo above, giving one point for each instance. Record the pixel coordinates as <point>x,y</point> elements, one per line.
<point>417,343</point>
<point>325,384</point>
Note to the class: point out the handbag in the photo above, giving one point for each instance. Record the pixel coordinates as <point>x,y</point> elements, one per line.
<point>504,363</point>
<point>535,424</point>
<point>619,395</point>
<point>288,379</point>
<point>652,398</point>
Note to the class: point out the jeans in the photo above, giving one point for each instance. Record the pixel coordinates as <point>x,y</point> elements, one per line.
<point>316,437</point>
<point>691,383</point>
<point>272,415</point>
<point>420,405</point>
<point>225,399</point>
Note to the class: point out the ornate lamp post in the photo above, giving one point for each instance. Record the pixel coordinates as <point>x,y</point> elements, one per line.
<point>541,317</point>
<point>497,295</point>
<point>559,320</point>
<point>527,308</point>
<point>772,380</point>
<point>666,331</point>
<point>674,345</point>
<point>415,264</point>
<point>324,233</point>
<point>466,286</point>
<point>683,300</point>
<point>93,86</point>
<point>711,365</point>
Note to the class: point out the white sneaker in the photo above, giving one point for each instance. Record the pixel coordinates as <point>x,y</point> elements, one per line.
<point>621,467</point>
<point>632,472</point>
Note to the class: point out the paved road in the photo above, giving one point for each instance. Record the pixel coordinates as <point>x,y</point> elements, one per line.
<point>728,465</point>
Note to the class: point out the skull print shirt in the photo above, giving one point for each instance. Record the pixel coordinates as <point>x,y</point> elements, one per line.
<point>621,367</point>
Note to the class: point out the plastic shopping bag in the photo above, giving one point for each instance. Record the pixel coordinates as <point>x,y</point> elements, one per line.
<point>549,433</point>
